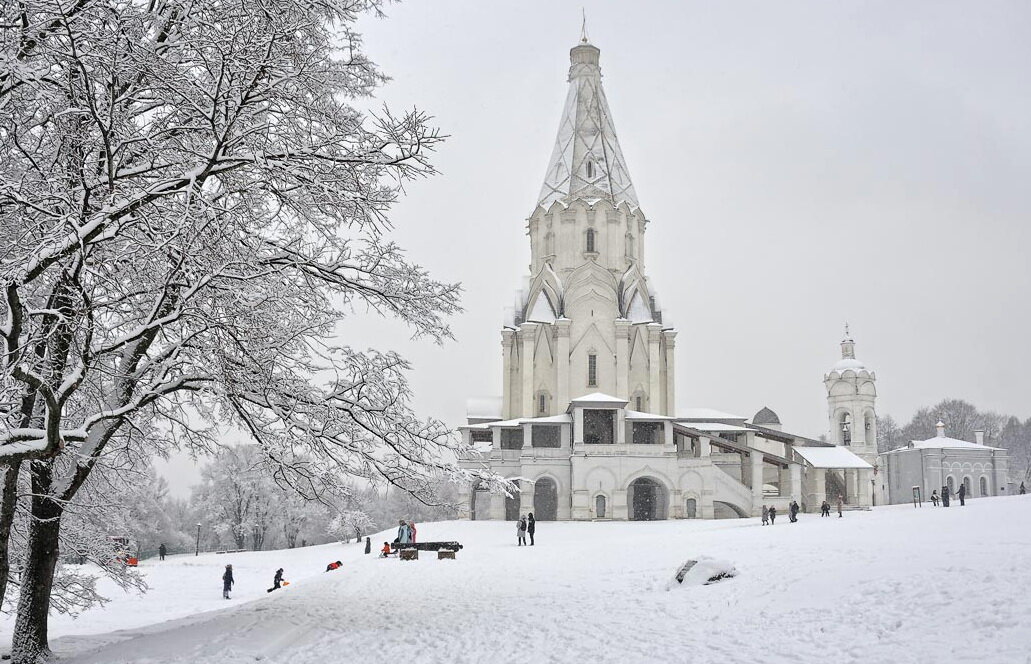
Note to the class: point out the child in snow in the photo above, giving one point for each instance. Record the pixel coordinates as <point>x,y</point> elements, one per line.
<point>385,551</point>
<point>227,581</point>
<point>334,565</point>
<point>277,582</point>
<point>766,515</point>
<point>521,531</point>
<point>825,509</point>
<point>773,514</point>
<point>934,497</point>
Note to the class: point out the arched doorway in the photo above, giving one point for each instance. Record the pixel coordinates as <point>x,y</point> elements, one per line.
<point>545,499</point>
<point>692,508</point>
<point>512,505</point>
<point>647,500</point>
<point>599,507</point>
<point>983,485</point>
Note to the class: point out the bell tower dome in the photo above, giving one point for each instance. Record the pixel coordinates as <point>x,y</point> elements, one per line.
<point>851,402</point>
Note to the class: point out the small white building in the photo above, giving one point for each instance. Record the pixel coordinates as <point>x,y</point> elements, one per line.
<point>924,466</point>
<point>587,424</point>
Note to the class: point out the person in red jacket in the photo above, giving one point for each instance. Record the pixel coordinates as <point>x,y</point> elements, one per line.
<point>385,551</point>
<point>411,528</point>
<point>332,566</point>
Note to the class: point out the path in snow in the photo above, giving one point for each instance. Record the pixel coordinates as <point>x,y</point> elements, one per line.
<point>896,585</point>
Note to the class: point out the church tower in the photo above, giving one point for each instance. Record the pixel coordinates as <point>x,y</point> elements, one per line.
<point>851,403</point>
<point>588,319</point>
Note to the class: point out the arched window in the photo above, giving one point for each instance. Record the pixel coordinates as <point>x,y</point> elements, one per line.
<point>599,507</point>
<point>966,483</point>
<point>951,483</point>
<point>542,403</point>
<point>629,245</point>
<point>590,169</point>
<point>590,240</point>
<point>984,485</point>
<point>845,424</point>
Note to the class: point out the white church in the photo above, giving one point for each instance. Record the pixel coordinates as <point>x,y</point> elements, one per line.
<point>587,423</point>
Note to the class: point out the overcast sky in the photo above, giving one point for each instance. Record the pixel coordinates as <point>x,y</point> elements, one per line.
<point>801,163</point>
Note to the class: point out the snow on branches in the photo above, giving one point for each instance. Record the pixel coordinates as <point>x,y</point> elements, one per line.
<point>190,199</point>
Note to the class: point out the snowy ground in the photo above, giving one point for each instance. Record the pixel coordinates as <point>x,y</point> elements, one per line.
<point>894,585</point>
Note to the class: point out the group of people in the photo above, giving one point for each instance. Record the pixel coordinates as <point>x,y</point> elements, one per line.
<point>277,582</point>
<point>770,513</point>
<point>946,496</point>
<point>405,532</point>
<point>526,525</point>
<point>825,507</point>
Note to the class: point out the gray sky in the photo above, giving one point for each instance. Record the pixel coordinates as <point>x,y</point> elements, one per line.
<point>802,164</point>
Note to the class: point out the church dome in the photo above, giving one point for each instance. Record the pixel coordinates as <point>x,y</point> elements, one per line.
<point>765,417</point>
<point>848,363</point>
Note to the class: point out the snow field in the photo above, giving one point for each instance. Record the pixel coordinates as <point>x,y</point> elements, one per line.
<point>897,584</point>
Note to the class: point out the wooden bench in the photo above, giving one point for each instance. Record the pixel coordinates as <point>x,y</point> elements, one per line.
<point>410,551</point>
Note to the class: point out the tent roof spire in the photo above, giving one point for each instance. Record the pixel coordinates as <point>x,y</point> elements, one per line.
<point>587,162</point>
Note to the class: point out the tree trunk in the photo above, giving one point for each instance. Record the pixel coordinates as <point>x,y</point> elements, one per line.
<point>30,644</point>
<point>8,503</point>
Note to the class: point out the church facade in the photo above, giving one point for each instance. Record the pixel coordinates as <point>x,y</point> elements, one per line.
<point>587,424</point>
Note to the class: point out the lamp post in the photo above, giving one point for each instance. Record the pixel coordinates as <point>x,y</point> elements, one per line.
<point>197,552</point>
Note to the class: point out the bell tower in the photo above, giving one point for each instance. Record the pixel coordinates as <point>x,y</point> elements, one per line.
<point>851,403</point>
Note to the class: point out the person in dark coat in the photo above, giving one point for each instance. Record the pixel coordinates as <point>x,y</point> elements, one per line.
<point>1022,489</point>
<point>227,581</point>
<point>793,512</point>
<point>946,495</point>
<point>825,509</point>
<point>773,515</point>
<point>277,582</point>
<point>962,493</point>
<point>162,550</point>
<point>531,526</point>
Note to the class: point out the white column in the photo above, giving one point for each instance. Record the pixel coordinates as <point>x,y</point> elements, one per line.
<point>527,335</point>
<point>757,481</point>
<point>796,482</point>
<point>654,377</point>
<point>671,399</point>
<point>865,487</point>
<point>623,359</point>
<point>562,364</point>
<point>704,448</point>
<point>507,339</point>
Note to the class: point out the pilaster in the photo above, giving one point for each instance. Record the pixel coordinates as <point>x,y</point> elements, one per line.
<point>622,358</point>
<point>654,375</point>
<point>507,374</point>
<point>562,364</point>
<point>670,337</point>
<point>757,481</point>
<point>527,337</point>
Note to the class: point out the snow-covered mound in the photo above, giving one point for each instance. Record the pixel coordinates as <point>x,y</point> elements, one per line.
<point>897,584</point>
<point>703,572</point>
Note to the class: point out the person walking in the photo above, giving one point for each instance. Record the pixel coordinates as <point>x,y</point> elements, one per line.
<point>277,582</point>
<point>773,515</point>
<point>825,509</point>
<point>531,526</point>
<point>793,512</point>
<point>227,581</point>
<point>411,532</point>
<point>521,531</point>
<point>162,550</point>
<point>934,497</point>
<point>841,503</point>
<point>946,496</point>
<point>1022,489</point>
<point>766,515</point>
<point>962,493</point>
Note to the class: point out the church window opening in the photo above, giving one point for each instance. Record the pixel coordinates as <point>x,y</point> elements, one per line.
<point>646,433</point>
<point>512,439</point>
<point>592,370</point>
<point>845,424</point>
<point>590,240</point>
<point>598,427</point>
<point>692,508</point>
<point>542,404</point>
<point>590,169</point>
<point>637,403</point>
<point>984,485</point>
<point>966,483</point>
<point>599,507</point>
<point>951,483</point>
<point>545,436</point>
<point>482,437</point>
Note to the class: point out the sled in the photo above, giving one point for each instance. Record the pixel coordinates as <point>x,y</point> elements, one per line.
<point>285,583</point>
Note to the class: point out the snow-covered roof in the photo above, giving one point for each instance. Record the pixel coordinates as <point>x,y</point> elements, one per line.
<point>847,363</point>
<point>599,397</point>
<point>944,442</point>
<point>587,162</point>
<point>831,457</point>
<point>564,418</point>
<point>483,408</point>
<point>638,415</point>
<point>718,426</point>
<point>706,414</point>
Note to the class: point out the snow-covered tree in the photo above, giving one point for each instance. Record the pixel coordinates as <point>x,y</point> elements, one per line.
<point>190,199</point>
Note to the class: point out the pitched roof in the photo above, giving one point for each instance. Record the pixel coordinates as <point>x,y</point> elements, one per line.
<point>765,416</point>
<point>587,162</point>
<point>830,457</point>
